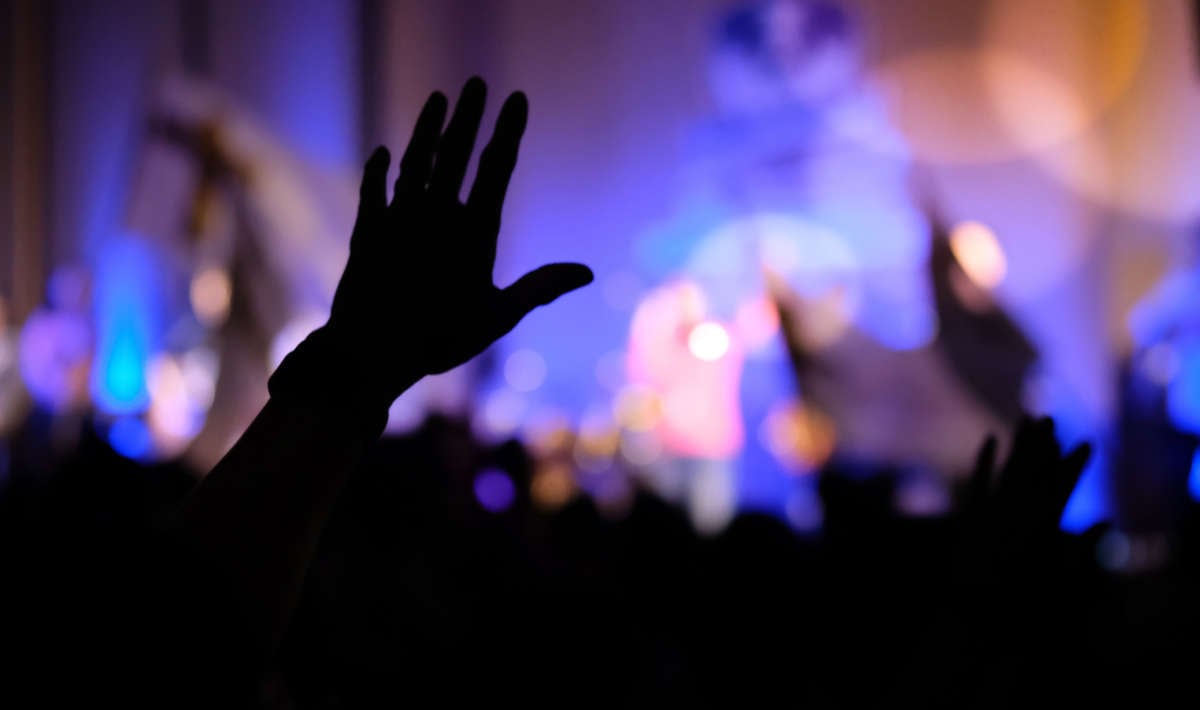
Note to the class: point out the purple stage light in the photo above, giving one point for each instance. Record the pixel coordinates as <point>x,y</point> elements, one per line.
<point>494,490</point>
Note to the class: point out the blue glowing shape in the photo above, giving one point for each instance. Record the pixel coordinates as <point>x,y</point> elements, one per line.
<point>126,325</point>
<point>130,438</point>
<point>123,374</point>
<point>1194,476</point>
<point>495,490</point>
<point>1183,394</point>
<point>1088,504</point>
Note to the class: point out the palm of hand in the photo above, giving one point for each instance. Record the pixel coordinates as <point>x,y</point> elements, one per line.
<point>417,296</point>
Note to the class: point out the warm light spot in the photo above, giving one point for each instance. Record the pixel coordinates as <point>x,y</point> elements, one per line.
<point>597,441</point>
<point>979,253</point>
<point>211,293</point>
<point>800,436</point>
<point>548,434</point>
<point>637,408</point>
<point>822,320</point>
<point>979,104</point>
<point>708,341</point>
<point>553,486</point>
<point>525,370</point>
<point>164,378</point>
<point>173,416</point>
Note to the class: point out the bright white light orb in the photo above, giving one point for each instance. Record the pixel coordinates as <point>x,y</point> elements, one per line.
<point>708,341</point>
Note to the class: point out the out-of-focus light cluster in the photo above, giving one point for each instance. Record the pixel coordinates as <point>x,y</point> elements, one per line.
<point>597,442</point>
<point>637,408</point>
<point>181,391</point>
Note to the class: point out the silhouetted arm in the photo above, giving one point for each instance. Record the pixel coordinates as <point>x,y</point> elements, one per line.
<point>416,298</point>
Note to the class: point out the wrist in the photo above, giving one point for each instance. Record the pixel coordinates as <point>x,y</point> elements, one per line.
<point>323,373</point>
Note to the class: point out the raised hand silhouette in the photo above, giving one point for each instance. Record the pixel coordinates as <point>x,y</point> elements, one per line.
<point>1015,575</point>
<point>1024,499</point>
<point>417,296</point>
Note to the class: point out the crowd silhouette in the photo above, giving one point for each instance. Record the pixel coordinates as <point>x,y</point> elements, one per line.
<point>315,567</point>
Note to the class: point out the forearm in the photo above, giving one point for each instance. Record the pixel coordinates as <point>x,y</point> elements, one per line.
<point>258,515</point>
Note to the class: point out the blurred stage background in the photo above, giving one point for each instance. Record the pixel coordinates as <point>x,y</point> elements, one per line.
<point>177,184</point>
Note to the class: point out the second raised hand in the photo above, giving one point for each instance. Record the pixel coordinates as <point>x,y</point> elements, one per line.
<point>418,296</point>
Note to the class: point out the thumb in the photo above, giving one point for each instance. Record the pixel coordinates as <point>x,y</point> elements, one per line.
<point>539,287</point>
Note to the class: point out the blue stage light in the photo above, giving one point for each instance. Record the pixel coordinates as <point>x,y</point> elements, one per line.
<point>131,438</point>
<point>126,303</point>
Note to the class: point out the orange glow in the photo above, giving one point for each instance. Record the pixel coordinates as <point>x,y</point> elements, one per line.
<point>553,486</point>
<point>637,408</point>
<point>978,252</point>
<point>211,293</point>
<point>800,436</point>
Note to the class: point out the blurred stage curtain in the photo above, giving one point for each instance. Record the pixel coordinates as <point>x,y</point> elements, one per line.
<point>23,155</point>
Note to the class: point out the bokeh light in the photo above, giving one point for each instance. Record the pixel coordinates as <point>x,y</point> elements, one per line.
<point>54,356</point>
<point>641,449</point>
<point>130,437</point>
<point>211,293</point>
<point>799,436</point>
<point>173,416</point>
<point>637,408</point>
<point>708,341</point>
<point>494,490</point>
<point>553,485</point>
<point>978,251</point>
<point>501,414</point>
<point>525,370</point>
